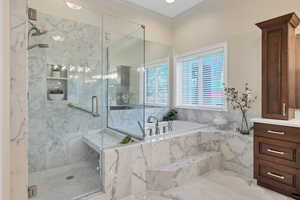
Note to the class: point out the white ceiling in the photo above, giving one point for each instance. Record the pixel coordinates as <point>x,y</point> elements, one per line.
<point>170,10</point>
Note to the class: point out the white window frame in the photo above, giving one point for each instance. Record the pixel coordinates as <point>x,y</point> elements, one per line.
<point>155,64</point>
<point>192,55</point>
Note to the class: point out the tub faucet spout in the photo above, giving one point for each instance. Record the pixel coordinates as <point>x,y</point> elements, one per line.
<point>156,121</point>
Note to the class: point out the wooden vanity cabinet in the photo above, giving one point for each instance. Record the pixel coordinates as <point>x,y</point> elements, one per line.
<point>277,158</point>
<point>278,66</point>
<point>298,71</point>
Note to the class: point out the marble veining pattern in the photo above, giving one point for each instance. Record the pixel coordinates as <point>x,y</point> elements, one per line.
<point>18,99</point>
<point>183,171</point>
<point>55,129</point>
<point>124,177</point>
<point>216,185</point>
<point>237,149</point>
<point>125,167</point>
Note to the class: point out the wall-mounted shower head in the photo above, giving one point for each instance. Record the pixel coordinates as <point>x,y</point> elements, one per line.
<point>43,46</point>
<point>39,33</point>
<point>35,31</point>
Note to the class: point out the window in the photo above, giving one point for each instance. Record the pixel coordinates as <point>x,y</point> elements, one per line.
<point>200,78</point>
<point>157,83</point>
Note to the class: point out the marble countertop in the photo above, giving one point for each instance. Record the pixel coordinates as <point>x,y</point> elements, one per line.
<point>292,122</point>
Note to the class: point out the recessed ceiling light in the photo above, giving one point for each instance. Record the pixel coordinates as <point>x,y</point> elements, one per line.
<point>73,5</point>
<point>170,1</point>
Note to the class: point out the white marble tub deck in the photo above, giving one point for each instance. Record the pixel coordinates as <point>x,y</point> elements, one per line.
<point>126,162</point>
<point>180,129</point>
<point>102,139</point>
<point>106,139</point>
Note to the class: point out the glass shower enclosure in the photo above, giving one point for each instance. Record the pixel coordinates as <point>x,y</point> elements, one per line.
<point>85,71</point>
<point>125,58</point>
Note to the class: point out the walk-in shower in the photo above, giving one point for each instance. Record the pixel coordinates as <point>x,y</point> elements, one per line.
<point>82,66</point>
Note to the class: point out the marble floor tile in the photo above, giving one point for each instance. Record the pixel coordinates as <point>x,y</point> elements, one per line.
<point>53,184</point>
<point>216,185</point>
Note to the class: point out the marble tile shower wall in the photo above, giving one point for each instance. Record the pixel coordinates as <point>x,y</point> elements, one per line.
<point>18,99</point>
<point>55,130</point>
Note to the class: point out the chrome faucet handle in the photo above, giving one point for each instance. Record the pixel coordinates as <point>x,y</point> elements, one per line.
<point>149,120</point>
<point>170,125</point>
<point>157,130</point>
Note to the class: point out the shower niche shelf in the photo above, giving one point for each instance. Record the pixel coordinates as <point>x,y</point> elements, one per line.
<point>57,83</point>
<point>54,78</point>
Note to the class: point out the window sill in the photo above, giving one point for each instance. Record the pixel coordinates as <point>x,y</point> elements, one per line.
<point>202,108</point>
<point>157,105</point>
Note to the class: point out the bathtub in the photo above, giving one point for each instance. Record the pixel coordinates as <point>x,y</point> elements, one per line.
<point>179,128</point>
<point>187,126</point>
<point>102,139</point>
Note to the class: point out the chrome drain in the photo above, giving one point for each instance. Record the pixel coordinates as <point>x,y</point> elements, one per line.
<point>70,178</point>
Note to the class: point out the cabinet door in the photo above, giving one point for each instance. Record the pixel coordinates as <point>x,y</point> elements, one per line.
<point>275,83</point>
<point>298,71</point>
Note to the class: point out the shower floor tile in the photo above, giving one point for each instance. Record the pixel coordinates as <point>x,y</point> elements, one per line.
<point>66,183</point>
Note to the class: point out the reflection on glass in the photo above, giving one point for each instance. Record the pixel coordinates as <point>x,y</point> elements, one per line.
<point>125,82</point>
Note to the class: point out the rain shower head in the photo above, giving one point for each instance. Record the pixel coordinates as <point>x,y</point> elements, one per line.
<point>43,46</point>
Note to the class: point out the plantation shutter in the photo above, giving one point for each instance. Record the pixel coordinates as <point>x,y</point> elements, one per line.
<point>157,84</point>
<point>213,80</point>
<point>190,82</point>
<point>163,85</point>
<point>200,79</point>
<point>151,85</point>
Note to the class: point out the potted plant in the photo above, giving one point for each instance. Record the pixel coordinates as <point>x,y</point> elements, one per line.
<point>171,115</point>
<point>242,101</point>
<point>56,94</point>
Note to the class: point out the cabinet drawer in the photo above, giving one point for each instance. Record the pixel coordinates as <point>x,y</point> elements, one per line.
<point>277,132</point>
<point>281,152</point>
<point>285,179</point>
<point>277,174</point>
<point>277,151</point>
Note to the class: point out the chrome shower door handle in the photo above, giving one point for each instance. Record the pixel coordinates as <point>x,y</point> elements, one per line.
<point>95,106</point>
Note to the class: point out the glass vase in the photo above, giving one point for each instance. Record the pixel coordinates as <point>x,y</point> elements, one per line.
<point>244,129</point>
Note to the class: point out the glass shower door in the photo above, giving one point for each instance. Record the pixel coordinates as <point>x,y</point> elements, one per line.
<point>125,56</point>
<point>65,87</point>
